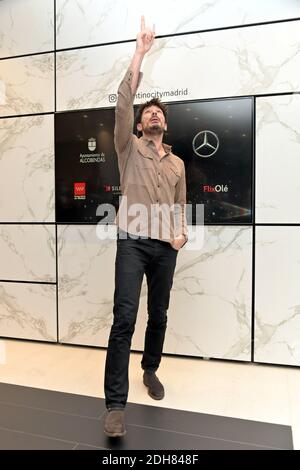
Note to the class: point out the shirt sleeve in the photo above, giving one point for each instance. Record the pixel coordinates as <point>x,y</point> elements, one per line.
<point>180,206</point>
<point>124,118</point>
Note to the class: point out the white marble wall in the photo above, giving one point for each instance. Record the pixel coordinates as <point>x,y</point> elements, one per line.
<point>28,311</point>
<point>210,308</point>
<point>277,247</point>
<point>27,169</point>
<point>2,92</point>
<point>27,252</point>
<point>28,84</point>
<point>278,159</point>
<point>86,22</point>
<point>26,27</point>
<point>85,285</point>
<point>277,295</point>
<point>252,60</point>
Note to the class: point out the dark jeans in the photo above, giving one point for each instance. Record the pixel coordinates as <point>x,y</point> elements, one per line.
<point>134,258</point>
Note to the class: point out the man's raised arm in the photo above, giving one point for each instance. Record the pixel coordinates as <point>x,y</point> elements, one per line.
<point>127,90</point>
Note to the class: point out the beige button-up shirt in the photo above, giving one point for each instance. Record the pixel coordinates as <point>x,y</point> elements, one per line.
<point>153,187</point>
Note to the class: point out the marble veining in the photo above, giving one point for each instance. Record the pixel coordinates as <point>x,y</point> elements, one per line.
<point>199,301</point>
<point>26,27</point>
<point>277,302</point>
<point>90,77</point>
<point>27,153</point>
<point>29,85</point>
<point>28,311</point>
<point>277,159</point>
<point>86,22</point>
<point>27,252</point>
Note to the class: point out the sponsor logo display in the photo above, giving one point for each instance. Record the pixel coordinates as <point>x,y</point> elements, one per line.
<point>214,138</point>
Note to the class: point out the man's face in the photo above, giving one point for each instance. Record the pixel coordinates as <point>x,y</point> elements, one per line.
<point>152,121</point>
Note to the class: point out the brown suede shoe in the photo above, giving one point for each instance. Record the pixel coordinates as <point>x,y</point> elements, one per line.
<point>155,388</point>
<point>114,425</point>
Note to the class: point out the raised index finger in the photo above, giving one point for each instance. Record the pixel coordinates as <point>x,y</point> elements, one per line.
<point>142,23</point>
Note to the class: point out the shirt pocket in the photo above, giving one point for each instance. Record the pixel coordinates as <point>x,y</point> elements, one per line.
<point>144,160</point>
<point>141,172</point>
<point>173,175</point>
<point>144,165</point>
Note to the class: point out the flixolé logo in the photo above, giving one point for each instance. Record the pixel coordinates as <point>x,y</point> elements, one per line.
<point>79,190</point>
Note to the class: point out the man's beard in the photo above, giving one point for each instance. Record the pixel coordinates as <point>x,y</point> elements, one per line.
<point>156,129</point>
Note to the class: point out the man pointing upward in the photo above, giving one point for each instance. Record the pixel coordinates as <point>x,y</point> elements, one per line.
<point>153,185</point>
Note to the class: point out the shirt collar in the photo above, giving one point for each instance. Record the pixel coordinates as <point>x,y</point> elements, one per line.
<point>167,147</point>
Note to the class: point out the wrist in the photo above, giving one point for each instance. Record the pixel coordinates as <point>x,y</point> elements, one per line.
<point>185,238</point>
<point>139,54</point>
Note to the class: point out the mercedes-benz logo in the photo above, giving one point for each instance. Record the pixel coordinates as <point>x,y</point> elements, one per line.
<point>205,143</point>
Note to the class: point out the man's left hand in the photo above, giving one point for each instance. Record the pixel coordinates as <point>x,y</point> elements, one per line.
<point>177,242</point>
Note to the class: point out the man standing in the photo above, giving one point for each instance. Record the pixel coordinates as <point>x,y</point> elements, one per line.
<point>152,180</point>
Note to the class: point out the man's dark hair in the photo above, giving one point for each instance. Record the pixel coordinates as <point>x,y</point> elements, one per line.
<point>153,102</point>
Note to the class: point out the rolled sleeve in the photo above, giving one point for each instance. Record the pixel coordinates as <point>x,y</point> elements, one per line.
<point>124,117</point>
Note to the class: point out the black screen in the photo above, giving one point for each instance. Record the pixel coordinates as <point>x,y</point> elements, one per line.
<point>213,138</point>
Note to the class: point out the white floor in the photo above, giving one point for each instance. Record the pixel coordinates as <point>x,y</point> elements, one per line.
<point>258,392</point>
